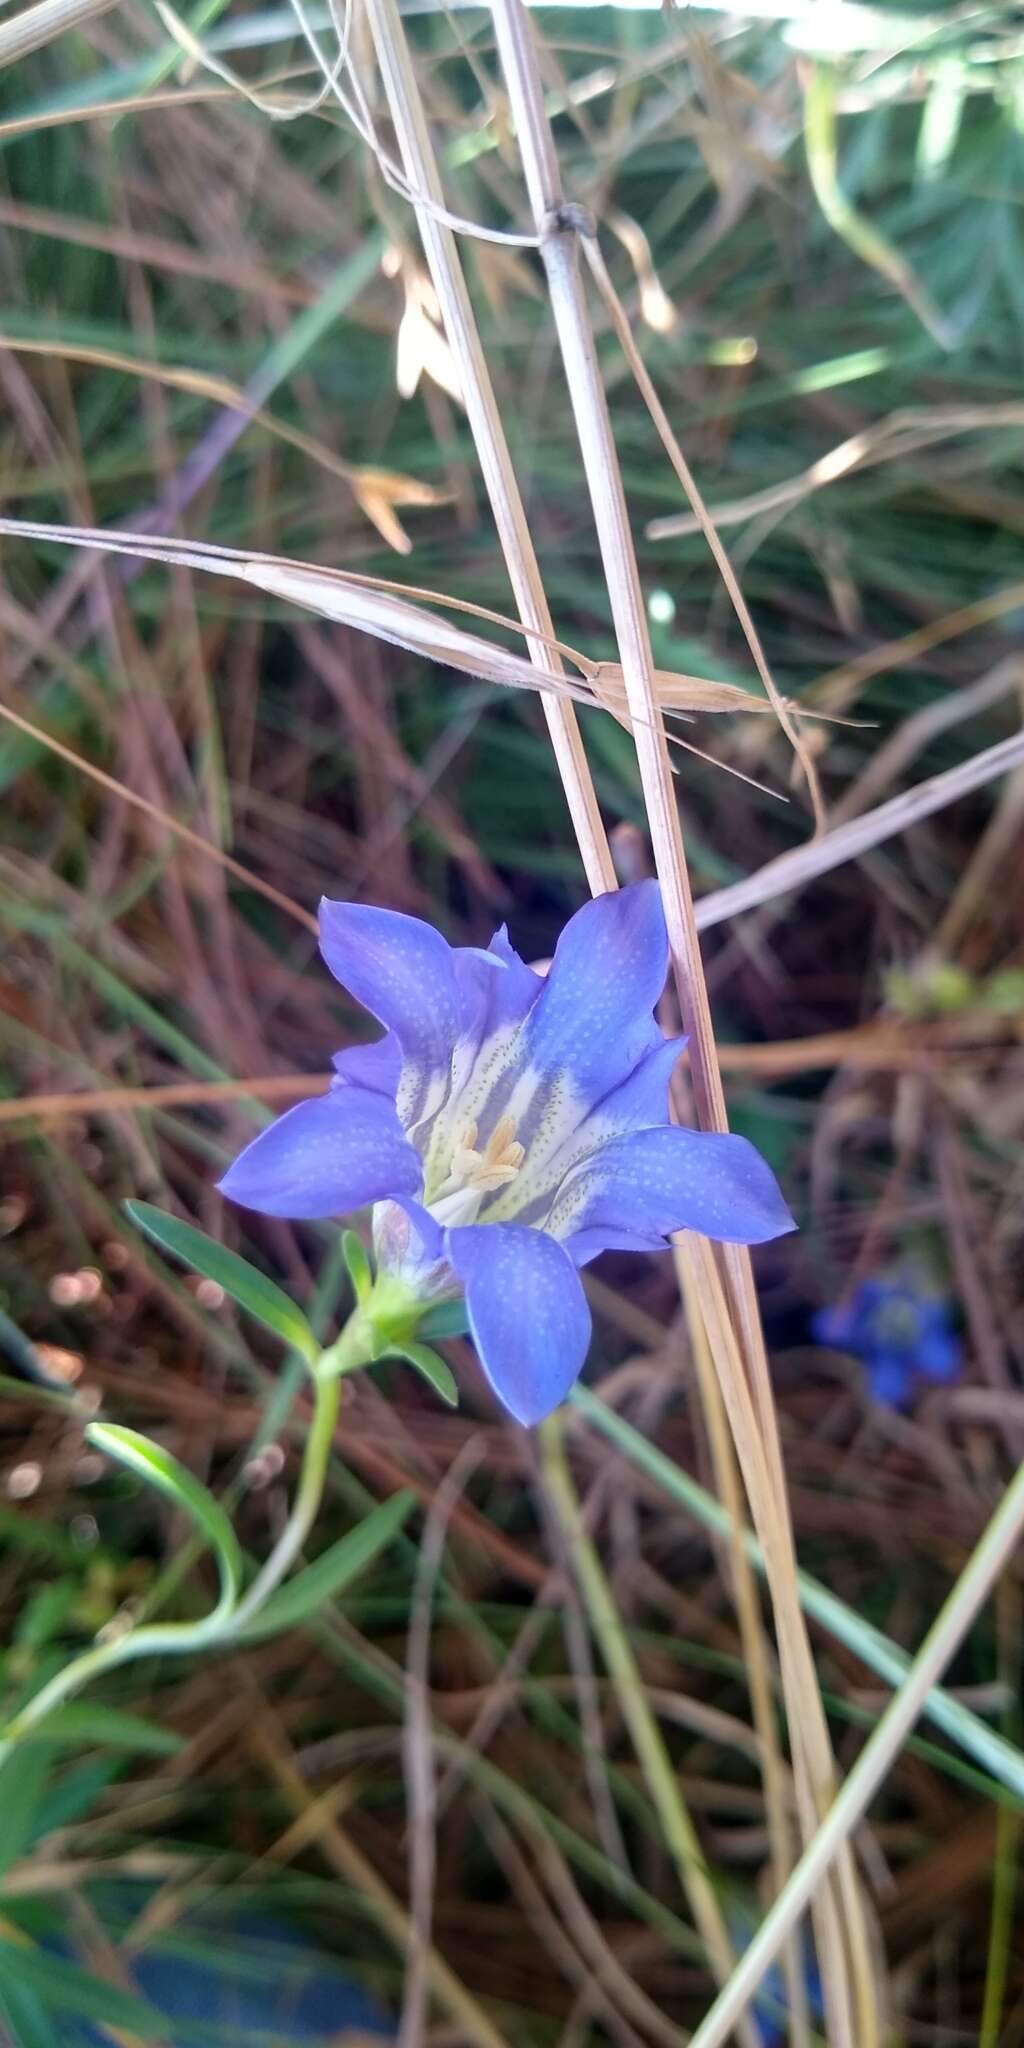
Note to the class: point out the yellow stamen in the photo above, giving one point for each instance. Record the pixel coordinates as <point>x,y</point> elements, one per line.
<point>494,1167</point>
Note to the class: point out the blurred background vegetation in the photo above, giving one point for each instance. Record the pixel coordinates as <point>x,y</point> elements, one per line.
<point>814,216</point>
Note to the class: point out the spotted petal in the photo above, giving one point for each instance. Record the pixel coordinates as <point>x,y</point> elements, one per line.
<point>527,1313</point>
<point>402,971</point>
<point>377,1066</point>
<point>592,1019</point>
<point>641,1100</point>
<point>645,1185</point>
<point>325,1158</point>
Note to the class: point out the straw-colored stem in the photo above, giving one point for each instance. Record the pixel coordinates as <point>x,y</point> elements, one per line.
<point>471,2022</point>
<point>558,227</point>
<point>842,1939</point>
<point>443,258</point>
<point>442,254</point>
<point>679,1833</point>
<point>940,1644</point>
<point>988,1749</point>
<point>752,1637</point>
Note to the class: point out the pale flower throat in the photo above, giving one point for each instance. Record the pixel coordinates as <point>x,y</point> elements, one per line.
<point>472,1173</point>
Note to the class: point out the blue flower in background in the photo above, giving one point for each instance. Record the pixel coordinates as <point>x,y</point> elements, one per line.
<point>771,2006</point>
<point>509,1128</point>
<point>770,2002</point>
<point>899,1331</point>
<point>242,1975</point>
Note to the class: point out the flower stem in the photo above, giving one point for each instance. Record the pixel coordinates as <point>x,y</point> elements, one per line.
<point>228,1619</point>
<point>308,1495</point>
<point>681,1837</point>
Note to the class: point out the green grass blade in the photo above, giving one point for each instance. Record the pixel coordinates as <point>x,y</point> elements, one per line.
<point>331,1573</point>
<point>997,1756</point>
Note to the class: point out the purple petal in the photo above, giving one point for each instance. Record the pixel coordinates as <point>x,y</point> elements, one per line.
<point>939,1355</point>
<point>527,1312</point>
<point>653,1182</point>
<point>585,1245</point>
<point>495,989</point>
<point>376,1066</point>
<point>835,1325</point>
<point>326,1157</point>
<point>641,1100</point>
<point>889,1377</point>
<point>592,1018</point>
<point>402,971</point>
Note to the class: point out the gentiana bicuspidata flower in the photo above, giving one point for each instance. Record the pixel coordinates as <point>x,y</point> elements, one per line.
<point>508,1127</point>
<point>902,1331</point>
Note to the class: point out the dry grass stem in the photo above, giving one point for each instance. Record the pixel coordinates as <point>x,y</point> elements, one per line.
<point>847,1996</point>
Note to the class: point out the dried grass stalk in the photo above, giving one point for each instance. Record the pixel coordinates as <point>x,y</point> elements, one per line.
<point>733,1325</point>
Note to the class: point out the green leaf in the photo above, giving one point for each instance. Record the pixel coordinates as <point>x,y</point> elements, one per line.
<point>63,1987</point>
<point>26,2017</point>
<point>360,1272</point>
<point>433,1368</point>
<point>156,1465</point>
<point>251,1289</point>
<point>448,1319</point>
<point>45,1613</point>
<point>80,1725</point>
<point>23,1782</point>
<point>74,1794</point>
<point>332,1572</point>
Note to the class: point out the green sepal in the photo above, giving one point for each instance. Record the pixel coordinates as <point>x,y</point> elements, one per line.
<point>432,1367</point>
<point>360,1271</point>
<point>448,1319</point>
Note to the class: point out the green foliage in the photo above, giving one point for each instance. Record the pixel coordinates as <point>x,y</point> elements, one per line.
<point>56,1986</point>
<point>448,1319</point>
<point>23,1780</point>
<point>320,762</point>
<point>82,1724</point>
<point>252,1290</point>
<point>152,1463</point>
<point>432,1368</point>
<point>312,1589</point>
<point>357,1265</point>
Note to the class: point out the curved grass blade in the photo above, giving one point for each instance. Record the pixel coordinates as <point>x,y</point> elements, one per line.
<point>332,1572</point>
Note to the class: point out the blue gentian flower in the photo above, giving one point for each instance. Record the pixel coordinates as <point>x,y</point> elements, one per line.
<point>899,1330</point>
<point>771,2005</point>
<point>508,1128</point>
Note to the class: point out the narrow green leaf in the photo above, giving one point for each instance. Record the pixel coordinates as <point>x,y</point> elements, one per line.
<point>251,1289</point>
<point>62,1987</point>
<point>23,1782</point>
<point>156,1465</point>
<point>877,1651</point>
<point>332,1572</point>
<point>45,1613</point>
<point>74,1794</point>
<point>448,1319</point>
<point>433,1368</point>
<point>25,2016</point>
<point>80,1724</point>
<point>360,1271</point>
